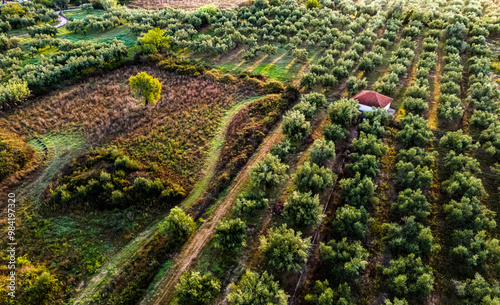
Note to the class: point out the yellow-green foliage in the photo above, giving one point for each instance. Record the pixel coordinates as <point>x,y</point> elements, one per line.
<point>34,284</point>
<point>146,87</point>
<point>15,154</point>
<point>157,38</point>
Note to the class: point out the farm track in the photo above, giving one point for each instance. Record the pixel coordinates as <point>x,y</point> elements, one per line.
<point>165,286</point>
<point>120,258</point>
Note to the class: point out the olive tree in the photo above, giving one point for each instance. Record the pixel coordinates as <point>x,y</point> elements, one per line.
<point>321,151</point>
<point>345,259</point>
<point>295,125</point>
<point>177,225</point>
<point>146,88</point>
<point>255,288</point>
<point>195,288</point>
<point>268,173</point>
<point>284,249</point>
<point>303,209</point>
<point>230,235</point>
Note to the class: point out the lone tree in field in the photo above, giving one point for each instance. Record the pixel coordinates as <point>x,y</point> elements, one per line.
<point>146,88</point>
<point>157,39</point>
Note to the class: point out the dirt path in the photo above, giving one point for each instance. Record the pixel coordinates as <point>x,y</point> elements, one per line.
<point>163,291</point>
<point>112,268</point>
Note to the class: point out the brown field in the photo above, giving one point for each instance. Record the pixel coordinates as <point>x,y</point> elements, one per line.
<point>185,4</point>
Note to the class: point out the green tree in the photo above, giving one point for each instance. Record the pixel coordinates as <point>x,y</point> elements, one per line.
<point>177,225</point>
<point>369,144</point>
<point>460,163</point>
<point>345,259</point>
<point>316,99</point>
<point>285,250</point>
<point>357,191</point>
<point>355,85</point>
<point>106,4</point>
<point>310,4</point>
<point>196,289</point>
<point>411,176</point>
<point>303,209</point>
<point>324,295</point>
<point>344,112</point>
<point>146,87</point>
<point>363,164</point>
<point>321,151</point>
<point>351,221</point>
<point>464,185</point>
<point>411,203</point>
<point>311,177</point>
<point>490,139</point>
<point>469,213</point>
<point>268,173</point>
<point>410,237</point>
<point>249,203</point>
<point>415,132</point>
<point>157,38</point>
<point>478,291</point>
<point>408,276</point>
<point>12,8</point>
<point>254,288</point>
<point>457,141</point>
<point>13,91</point>
<point>230,235</point>
<point>295,125</point>
<point>334,132</point>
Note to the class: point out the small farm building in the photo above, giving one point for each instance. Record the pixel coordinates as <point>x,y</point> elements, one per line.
<point>368,99</point>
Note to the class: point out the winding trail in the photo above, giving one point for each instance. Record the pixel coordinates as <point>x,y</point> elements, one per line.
<point>164,288</point>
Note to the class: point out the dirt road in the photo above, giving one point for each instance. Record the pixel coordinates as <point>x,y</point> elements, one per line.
<point>164,289</point>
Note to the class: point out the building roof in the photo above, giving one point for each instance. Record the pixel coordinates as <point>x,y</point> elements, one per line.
<point>372,99</point>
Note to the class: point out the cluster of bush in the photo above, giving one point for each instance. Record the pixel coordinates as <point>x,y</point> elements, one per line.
<point>400,59</point>
<point>70,60</point>
<point>472,247</point>
<point>415,100</point>
<point>450,106</point>
<point>22,15</point>
<point>93,23</point>
<point>329,72</point>
<point>482,94</point>
<point>115,186</point>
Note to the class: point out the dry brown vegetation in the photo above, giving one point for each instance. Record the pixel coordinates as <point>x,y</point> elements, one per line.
<point>169,139</point>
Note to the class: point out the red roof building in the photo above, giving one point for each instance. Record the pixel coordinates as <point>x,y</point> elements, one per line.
<point>368,99</point>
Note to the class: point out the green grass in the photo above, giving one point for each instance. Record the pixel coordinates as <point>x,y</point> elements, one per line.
<point>61,149</point>
<point>122,33</point>
<point>275,71</point>
<point>214,153</point>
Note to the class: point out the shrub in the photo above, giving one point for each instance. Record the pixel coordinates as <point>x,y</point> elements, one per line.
<point>285,250</point>
<point>273,87</point>
<point>490,139</point>
<point>146,88</point>
<point>177,225</point>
